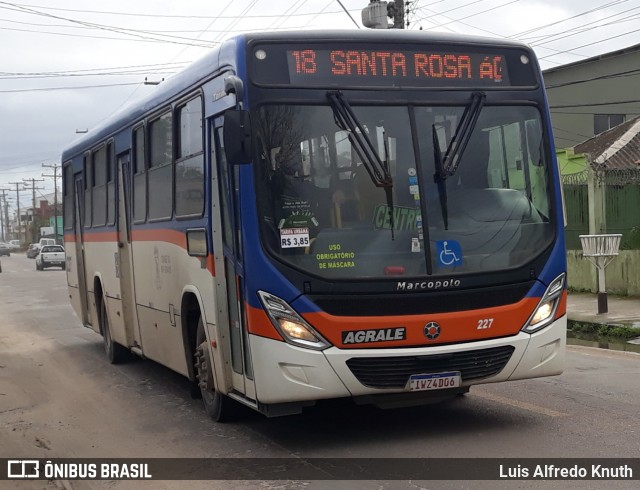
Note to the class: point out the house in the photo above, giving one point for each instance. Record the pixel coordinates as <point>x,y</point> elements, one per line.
<point>590,96</point>
<point>604,199</point>
<point>615,149</point>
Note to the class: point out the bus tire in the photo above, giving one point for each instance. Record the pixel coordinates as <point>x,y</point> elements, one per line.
<point>115,352</point>
<point>218,407</point>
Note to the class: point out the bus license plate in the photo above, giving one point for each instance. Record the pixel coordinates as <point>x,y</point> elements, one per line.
<point>435,381</point>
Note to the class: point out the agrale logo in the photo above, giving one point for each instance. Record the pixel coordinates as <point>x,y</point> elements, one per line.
<point>432,330</point>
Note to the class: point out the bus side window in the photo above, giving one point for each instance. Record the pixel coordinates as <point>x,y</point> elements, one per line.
<point>88,186</point>
<point>160,175</point>
<point>190,160</point>
<point>139,177</point>
<point>99,191</point>
<point>111,188</point>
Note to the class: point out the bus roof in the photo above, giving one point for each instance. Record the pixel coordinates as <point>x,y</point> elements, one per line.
<point>226,55</point>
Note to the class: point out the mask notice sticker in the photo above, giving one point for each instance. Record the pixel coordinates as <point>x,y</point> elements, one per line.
<point>294,237</point>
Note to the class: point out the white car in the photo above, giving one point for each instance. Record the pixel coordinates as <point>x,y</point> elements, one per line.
<point>51,256</point>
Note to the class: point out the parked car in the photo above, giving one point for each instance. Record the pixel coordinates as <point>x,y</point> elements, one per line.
<point>14,244</point>
<point>51,256</point>
<point>33,250</point>
<point>5,249</point>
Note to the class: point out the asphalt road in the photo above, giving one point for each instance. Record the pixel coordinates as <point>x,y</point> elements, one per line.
<point>60,398</point>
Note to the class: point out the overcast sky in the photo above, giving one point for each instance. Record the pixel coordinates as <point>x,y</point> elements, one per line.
<point>65,65</point>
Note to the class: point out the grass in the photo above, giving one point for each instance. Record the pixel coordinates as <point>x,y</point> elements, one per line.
<point>621,332</point>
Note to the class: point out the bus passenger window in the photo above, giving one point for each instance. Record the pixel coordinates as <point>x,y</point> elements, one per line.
<point>111,187</point>
<point>160,195</point>
<point>190,160</point>
<point>139,177</point>
<point>99,191</point>
<point>88,186</point>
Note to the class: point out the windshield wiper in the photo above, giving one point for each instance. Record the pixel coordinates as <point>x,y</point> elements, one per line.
<point>377,168</point>
<point>447,165</point>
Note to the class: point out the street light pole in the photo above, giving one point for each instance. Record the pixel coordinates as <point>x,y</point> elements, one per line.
<point>55,176</point>
<point>18,204</point>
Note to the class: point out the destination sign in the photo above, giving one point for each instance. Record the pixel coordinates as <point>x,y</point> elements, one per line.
<point>319,66</point>
<point>308,65</point>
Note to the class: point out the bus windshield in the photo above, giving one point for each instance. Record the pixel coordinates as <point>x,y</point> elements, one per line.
<point>323,212</point>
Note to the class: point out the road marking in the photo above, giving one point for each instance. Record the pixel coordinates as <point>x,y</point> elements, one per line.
<point>519,404</point>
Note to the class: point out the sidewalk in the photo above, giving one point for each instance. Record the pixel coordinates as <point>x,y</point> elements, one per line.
<point>583,307</point>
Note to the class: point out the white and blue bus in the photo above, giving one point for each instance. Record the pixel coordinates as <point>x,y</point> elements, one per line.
<point>314,215</point>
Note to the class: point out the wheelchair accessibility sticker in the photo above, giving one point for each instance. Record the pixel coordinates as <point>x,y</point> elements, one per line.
<point>449,253</point>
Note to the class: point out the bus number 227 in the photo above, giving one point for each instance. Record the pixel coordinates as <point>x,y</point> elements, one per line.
<point>484,323</point>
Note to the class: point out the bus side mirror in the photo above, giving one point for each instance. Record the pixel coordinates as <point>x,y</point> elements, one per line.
<point>237,136</point>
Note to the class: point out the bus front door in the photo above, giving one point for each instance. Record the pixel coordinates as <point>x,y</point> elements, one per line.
<point>227,249</point>
<point>125,257</point>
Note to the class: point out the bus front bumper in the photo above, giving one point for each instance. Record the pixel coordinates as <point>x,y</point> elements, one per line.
<point>285,373</point>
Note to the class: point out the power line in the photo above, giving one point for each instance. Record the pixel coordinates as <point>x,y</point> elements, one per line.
<point>529,31</point>
<point>350,16</point>
<point>119,30</point>
<point>620,74</point>
<point>475,14</point>
<point>590,113</point>
<point>584,28</point>
<point>581,28</point>
<point>154,31</point>
<point>592,43</point>
<point>174,16</point>
<point>50,89</point>
<point>179,64</point>
<point>619,102</point>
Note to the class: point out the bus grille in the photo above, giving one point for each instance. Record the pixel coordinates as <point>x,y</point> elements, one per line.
<point>394,372</point>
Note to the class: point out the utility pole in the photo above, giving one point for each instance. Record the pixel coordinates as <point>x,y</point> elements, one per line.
<point>6,212</point>
<point>2,197</point>
<point>398,14</point>
<point>374,15</point>
<point>18,204</point>
<point>55,176</point>
<point>33,217</point>
<point>4,215</point>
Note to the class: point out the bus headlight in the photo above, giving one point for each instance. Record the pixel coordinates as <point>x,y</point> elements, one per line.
<point>545,311</point>
<point>292,326</point>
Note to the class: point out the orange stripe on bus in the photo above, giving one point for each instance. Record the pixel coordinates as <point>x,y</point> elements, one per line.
<point>211,264</point>
<point>258,323</point>
<point>460,326</point>
<point>170,236</point>
<point>101,236</point>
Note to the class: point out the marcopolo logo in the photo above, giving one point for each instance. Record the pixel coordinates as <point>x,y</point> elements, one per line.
<point>375,335</point>
<point>23,468</point>
<point>423,285</point>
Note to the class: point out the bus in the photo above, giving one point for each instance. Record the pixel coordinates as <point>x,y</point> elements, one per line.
<point>318,215</point>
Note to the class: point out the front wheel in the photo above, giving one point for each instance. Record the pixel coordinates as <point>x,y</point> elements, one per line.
<point>115,352</point>
<point>218,406</point>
